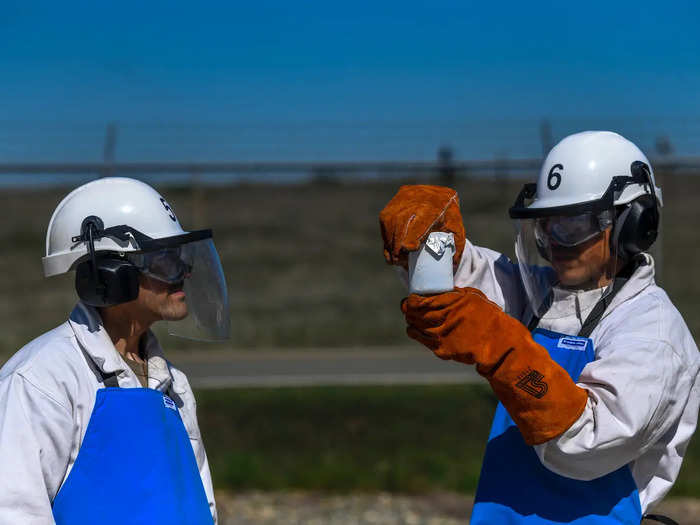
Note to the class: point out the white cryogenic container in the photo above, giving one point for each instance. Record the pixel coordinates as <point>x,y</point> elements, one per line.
<point>430,267</point>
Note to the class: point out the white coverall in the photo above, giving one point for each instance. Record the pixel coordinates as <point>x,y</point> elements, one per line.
<point>47,393</point>
<point>644,385</point>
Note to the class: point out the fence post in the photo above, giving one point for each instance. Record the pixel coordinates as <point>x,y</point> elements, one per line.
<point>546,136</point>
<point>110,145</point>
<point>446,169</point>
<point>197,200</point>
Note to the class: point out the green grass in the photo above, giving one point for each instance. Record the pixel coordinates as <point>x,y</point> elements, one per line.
<point>398,439</point>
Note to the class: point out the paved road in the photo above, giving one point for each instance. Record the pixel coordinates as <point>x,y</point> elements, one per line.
<point>313,367</point>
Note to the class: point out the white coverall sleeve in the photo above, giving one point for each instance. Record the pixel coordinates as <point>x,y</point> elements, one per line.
<point>495,275</point>
<point>34,451</point>
<point>635,395</point>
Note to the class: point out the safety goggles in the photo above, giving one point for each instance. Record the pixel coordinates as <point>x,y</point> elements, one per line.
<point>571,230</point>
<point>170,265</point>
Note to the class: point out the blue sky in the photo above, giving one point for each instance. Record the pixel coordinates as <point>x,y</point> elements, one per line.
<point>318,80</point>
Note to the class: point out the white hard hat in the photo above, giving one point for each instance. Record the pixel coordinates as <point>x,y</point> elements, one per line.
<point>113,229</point>
<point>116,201</point>
<point>592,167</point>
<point>590,182</point>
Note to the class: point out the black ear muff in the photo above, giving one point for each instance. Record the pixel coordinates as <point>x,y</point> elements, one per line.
<point>103,279</point>
<point>116,282</point>
<point>638,226</point>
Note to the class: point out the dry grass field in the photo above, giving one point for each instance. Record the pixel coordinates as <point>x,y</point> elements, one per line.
<point>303,262</point>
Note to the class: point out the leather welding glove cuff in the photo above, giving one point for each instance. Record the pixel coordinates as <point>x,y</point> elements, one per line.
<point>465,326</point>
<point>413,213</point>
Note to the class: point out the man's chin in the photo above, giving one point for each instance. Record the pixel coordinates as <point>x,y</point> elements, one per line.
<point>572,279</point>
<point>175,314</point>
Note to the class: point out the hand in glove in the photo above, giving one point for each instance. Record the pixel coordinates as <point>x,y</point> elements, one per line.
<point>465,326</point>
<point>412,214</point>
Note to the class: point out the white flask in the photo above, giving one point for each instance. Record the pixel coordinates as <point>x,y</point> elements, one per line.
<point>430,267</point>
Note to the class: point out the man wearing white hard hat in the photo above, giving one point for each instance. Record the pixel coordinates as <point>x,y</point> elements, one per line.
<point>96,426</point>
<point>595,370</point>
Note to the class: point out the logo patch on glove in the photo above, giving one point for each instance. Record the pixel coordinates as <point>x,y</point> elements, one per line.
<point>532,383</point>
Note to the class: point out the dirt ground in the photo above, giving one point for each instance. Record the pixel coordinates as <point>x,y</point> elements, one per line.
<point>311,508</point>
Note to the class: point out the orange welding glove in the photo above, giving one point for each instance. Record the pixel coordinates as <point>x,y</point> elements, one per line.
<point>413,213</point>
<point>465,326</point>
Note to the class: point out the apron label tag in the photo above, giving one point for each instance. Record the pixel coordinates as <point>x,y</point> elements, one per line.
<point>169,403</point>
<point>573,343</point>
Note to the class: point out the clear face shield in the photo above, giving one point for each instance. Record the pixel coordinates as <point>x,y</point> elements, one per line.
<point>564,249</point>
<point>186,280</point>
<point>570,253</point>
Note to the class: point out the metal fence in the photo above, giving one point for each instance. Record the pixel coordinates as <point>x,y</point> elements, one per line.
<point>21,173</point>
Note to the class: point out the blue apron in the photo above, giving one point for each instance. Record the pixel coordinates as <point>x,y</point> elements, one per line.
<point>135,466</point>
<point>514,486</point>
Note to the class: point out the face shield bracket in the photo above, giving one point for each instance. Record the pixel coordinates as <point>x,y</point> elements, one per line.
<point>519,210</point>
<point>126,233</point>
